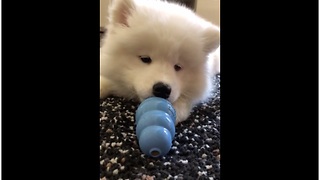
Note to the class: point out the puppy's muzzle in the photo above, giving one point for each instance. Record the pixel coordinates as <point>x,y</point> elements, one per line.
<point>161,90</point>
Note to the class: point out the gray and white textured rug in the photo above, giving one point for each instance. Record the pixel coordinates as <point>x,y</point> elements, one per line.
<point>194,155</point>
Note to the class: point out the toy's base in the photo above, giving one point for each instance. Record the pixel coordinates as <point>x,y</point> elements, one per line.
<point>155,141</point>
<point>155,152</point>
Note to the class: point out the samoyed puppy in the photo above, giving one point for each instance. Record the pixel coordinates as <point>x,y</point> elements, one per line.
<point>158,48</point>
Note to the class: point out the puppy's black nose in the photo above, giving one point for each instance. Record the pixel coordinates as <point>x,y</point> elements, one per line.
<point>161,90</point>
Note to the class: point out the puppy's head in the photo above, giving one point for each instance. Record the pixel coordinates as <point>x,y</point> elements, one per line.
<point>160,48</point>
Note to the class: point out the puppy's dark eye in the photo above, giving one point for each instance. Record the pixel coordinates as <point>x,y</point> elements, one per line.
<point>145,59</point>
<point>177,67</point>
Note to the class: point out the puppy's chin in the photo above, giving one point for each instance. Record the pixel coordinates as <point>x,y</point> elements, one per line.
<point>143,98</point>
<point>170,99</point>
<point>144,93</point>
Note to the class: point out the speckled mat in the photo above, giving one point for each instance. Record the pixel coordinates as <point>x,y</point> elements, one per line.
<point>194,154</point>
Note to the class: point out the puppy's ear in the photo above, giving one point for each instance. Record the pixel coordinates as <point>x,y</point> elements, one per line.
<point>120,10</point>
<point>211,38</point>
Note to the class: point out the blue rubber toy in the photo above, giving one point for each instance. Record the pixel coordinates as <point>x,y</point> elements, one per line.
<point>155,126</point>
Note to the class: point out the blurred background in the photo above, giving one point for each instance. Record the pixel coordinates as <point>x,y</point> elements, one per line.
<point>208,9</point>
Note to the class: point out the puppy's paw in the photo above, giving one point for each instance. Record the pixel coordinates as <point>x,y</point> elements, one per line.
<point>104,87</point>
<point>214,62</point>
<point>183,109</point>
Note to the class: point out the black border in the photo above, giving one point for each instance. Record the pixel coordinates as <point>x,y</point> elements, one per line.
<point>50,98</point>
<point>269,90</point>
<point>50,85</point>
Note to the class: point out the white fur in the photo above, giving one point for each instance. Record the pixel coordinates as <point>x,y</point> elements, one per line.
<point>170,34</point>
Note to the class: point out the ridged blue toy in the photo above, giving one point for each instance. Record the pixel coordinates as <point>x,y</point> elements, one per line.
<point>155,126</point>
